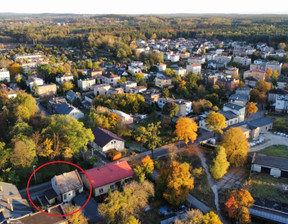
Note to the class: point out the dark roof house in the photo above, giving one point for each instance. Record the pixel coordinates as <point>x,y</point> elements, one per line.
<point>103,136</point>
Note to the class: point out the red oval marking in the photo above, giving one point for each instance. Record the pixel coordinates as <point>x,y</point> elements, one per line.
<point>83,186</point>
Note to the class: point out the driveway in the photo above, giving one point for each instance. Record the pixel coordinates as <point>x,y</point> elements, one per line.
<point>270,139</point>
<point>90,210</point>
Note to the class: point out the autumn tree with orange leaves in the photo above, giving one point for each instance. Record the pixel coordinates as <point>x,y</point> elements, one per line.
<point>186,129</point>
<point>251,108</point>
<point>237,205</point>
<point>175,182</point>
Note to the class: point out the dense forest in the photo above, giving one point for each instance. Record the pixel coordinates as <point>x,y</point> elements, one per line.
<point>84,31</point>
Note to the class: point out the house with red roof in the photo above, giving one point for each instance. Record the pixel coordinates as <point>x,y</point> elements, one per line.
<point>106,177</point>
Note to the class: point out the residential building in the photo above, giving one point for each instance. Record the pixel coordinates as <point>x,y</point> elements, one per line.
<point>66,77</point>
<point>12,205</point>
<point>10,92</point>
<point>39,217</point>
<point>245,61</point>
<point>72,96</point>
<point>112,91</point>
<point>47,90</point>
<point>126,118</point>
<point>274,65</point>
<point>239,99</point>
<point>174,57</point>
<point>67,185</point>
<point>255,73</point>
<point>151,95</point>
<point>138,89</point>
<point>108,177</point>
<point>60,106</point>
<point>243,91</point>
<point>272,165</point>
<point>232,71</point>
<point>4,75</point>
<point>161,67</point>
<point>101,89</point>
<point>230,119</point>
<point>128,85</point>
<point>236,109</point>
<point>185,106</point>
<point>105,140</point>
<point>184,55</point>
<point>163,81</point>
<point>110,78</point>
<point>30,82</point>
<point>273,94</point>
<point>251,82</point>
<point>180,71</point>
<point>281,104</point>
<point>198,60</point>
<point>96,74</point>
<point>86,84</point>
<point>134,70</point>
<point>195,68</point>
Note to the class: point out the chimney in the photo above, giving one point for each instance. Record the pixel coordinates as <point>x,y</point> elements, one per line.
<point>8,201</point>
<point>1,188</point>
<point>48,210</point>
<point>11,207</point>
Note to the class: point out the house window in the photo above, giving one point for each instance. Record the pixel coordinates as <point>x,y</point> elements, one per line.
<point>101,190</point>
<point>112,187</point>
<point>64,196</point>
<point>114,142</point>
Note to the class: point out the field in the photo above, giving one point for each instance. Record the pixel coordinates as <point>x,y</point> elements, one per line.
<point>276,150</point>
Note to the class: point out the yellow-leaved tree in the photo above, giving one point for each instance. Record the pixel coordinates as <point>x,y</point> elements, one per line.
<point>221,165</point>
<point>186,129</point>
<point>251,108</point>
<point>175,182</point>
<point>236,146</point>
<point>215,122</point>
<point>76,218</point>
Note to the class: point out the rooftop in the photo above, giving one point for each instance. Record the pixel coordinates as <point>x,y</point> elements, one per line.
<point>270,161</point>
<point>69,181</point>
<point>103,136</point>
<point>109,173</point>
<point>233,106</point>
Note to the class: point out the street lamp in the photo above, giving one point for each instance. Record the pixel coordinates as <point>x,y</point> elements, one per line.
<point>34,172</point>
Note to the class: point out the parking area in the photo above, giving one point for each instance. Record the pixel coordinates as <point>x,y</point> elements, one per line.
<point>90,210</point>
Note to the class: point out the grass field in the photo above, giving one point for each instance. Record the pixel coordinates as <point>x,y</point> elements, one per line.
<point>276,150</point>
<point>264,186</point>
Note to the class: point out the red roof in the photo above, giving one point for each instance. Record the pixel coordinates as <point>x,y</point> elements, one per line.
<point>109,173</point>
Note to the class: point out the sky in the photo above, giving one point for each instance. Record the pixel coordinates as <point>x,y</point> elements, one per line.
<point>145,6</point>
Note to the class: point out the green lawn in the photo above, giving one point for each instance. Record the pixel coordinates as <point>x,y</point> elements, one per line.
<point>276,150</point>
<point>264,186</point>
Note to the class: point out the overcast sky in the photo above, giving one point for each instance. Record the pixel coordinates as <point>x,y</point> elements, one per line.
<point>144,6</point>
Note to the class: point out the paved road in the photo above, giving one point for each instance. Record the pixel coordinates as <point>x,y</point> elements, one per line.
<point>35,190</point>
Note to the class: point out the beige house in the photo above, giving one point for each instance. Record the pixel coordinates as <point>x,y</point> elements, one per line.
<point>101,89</point>
<point>47,90</point>
<point>163,82</point>
<point>110,78</point>
<point>86,84</point>
<point>109,176</point>
<point>255,73</point>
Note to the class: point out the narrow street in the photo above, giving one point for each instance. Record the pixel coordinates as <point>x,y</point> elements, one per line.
<point>34,191</point>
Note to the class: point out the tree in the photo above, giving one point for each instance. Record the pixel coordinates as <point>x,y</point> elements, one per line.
<point>15,69</point>
<point>122,80</point>
<point>138,77</point>
<point>166,92</point>
<point>25,105</point>
<point>263,86</point>
<point>4,155</point>
<point>66,86</point>
<point>148,165</point>
<point>175,182</point>
<point>215,122</point>
<point>237,205</point>
<point>236,146</point>
<point>23,153</point>
<point>274,78</point>
<point>254,95</point>
<point>268,73</point>
<point>76,218</point>
<point>221,165</point>
<point>170,109</point>
<point>70,132</point>
<point>186,129</point>
<point>119,206</point>
<point>35,89</point>
<point>153,139</point>
<point>251,108</point>
<point>140,135</point>
<point>131,220</point>
<point>196,217</point>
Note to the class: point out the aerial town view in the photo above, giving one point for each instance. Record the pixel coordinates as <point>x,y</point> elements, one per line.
<point>153,112</point>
